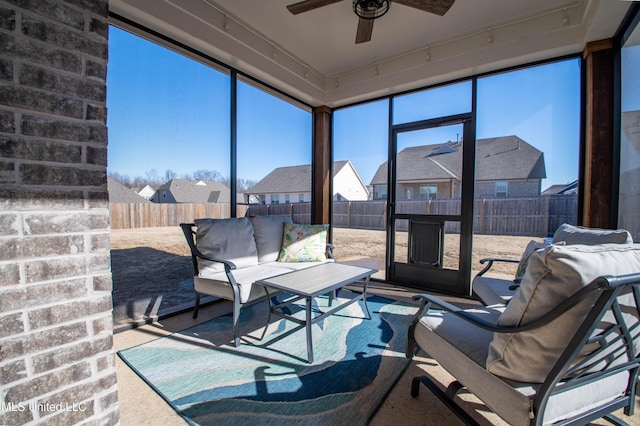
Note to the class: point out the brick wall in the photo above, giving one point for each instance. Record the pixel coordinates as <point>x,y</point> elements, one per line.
<point>56,350</point>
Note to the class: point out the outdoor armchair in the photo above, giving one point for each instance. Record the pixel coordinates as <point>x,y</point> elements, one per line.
<point>493,290</point>
<point>565,349</point>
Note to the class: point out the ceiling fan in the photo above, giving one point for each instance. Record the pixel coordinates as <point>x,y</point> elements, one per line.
<point>368,10</point>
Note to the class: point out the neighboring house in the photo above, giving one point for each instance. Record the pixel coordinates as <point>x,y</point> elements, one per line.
<point>118,193</point>
<point>147,192</point>
<point>347,184</point>
<point>505,167</point>
<point>293,185</point>
<point>192,191</point>
<point>630,173</point>
<point>559,189</point>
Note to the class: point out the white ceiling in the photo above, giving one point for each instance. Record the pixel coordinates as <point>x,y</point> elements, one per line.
<point>313,55</point>
<point>324,37</point>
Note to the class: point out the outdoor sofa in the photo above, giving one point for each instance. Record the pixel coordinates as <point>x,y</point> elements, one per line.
<point>230,255</point>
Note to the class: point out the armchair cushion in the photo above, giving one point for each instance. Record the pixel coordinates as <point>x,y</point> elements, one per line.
<point>304,243</point>
<point>461,350</point>
<point>524,260</point>
<point>570,234</point>
<point>552,276</point>
<point>493,290</point>
<point>268,231</point>
<point>228,239</point>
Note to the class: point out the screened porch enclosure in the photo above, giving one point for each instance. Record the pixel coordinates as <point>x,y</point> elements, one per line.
<point>416,154</point>
<point>524,164</point>
<point>522,170</point>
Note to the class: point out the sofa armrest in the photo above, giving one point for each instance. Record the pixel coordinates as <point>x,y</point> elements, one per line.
<point>330,248</point>
<point>187,229</point>
<point>228,265</point>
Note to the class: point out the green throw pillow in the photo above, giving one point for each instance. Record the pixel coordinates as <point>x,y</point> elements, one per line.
<point>304,243</point>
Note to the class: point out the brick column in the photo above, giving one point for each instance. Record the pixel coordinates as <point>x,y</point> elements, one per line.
<point>56,350</point>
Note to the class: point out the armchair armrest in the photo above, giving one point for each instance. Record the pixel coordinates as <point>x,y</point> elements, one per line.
<point>490,260</point>
<point>427,301</point>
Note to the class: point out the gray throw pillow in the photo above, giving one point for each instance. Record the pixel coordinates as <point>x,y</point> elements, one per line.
<point>268,232</point>
<point>227,239</point>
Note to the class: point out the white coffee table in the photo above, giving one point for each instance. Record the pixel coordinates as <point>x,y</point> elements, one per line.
<point>316,281</point>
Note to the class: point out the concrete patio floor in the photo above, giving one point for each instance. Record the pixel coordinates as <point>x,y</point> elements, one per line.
<point>141,405</point>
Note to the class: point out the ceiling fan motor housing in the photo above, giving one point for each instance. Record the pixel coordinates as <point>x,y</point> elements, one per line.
<point>371,9</point>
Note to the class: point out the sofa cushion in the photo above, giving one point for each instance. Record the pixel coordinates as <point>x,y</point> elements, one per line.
<point>570,234</point>
<point>268,231</point>
<point>227,239</point>
<point>217,284</point>
<point>304,243</point>
<point>553,275</point>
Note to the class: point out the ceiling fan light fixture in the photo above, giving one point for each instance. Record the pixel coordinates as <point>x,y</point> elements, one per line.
<point>371,9</point>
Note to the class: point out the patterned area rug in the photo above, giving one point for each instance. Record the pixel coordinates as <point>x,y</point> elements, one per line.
<point>268,381</point>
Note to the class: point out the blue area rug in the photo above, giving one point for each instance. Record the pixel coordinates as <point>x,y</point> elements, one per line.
<point>268,382</point>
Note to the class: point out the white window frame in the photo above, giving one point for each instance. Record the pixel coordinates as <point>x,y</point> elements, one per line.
<point>430,192</point>
<point>499,193</point>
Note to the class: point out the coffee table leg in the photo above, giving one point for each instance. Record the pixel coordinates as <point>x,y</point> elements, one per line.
<point>308,325</point>
<point>266,326</point>
<point>364,296</point>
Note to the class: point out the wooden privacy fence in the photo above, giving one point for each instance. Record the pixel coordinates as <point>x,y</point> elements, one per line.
<point>299,212</point>
<point>147,215</point>
<point>534,216</point>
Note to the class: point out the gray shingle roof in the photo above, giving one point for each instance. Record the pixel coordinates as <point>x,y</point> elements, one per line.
<point>289,179</point>
<point>561,189</point>
<point>118,193</point>
<point>500,158</point>
<point>195,191</point>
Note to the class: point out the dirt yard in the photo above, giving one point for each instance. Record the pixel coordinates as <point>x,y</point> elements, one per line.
<point>152,267</point>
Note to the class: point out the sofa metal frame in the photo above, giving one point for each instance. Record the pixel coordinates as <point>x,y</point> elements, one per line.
<point>569,370</point>
<point>189,233</point>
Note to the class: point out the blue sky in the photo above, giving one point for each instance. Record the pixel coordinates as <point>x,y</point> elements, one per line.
<point>630,80</point>
<point>540,105</point>
<point>166,111</point>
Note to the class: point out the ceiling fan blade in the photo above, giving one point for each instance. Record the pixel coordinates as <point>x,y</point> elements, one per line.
<point>365,29</point>
<point>439,7</point>
<point>307,5</point>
